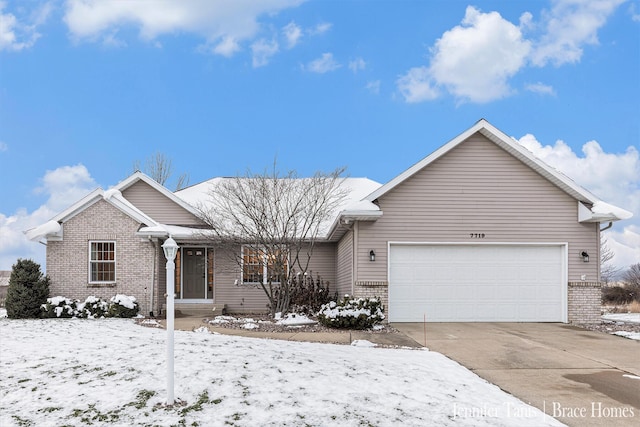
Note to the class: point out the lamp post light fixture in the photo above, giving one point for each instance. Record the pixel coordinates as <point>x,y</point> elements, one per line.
<point>372,256</point>
<point>170,248</point>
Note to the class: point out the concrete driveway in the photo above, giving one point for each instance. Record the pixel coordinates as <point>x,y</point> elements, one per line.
<point>579,377</point>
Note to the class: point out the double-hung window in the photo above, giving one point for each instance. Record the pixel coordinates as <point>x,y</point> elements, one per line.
<point>102,262</point>
<point>258,266</point>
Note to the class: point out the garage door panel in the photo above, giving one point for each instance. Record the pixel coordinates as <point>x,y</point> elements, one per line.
<point>477,283</point>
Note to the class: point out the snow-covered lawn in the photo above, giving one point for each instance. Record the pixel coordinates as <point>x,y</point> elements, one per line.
<point>76,372</point>
<point>623,317</point>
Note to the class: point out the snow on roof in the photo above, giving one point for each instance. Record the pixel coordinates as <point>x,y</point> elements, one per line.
<point>356,190</point>
<point>48,228</point>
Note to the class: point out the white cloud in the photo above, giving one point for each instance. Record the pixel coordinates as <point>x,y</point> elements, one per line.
<point>625,245</point>
<point>3,146</point>
<point>570,25</point>
<point>110,40</point>
<point>292,33</point>
<point>373,86</point>
<point>540,88</point>
<point>357,64</point>
<point>635,16</point>
<point>324,64</point>
<point>320,29</point>
<point>224,24</point>
<point>475,60</point>
<point>19,34</point>
<point>262,51</point>
<point>226,47</point>
<point>615,178</point>
<point>63,187</point>
<point>417,85</point>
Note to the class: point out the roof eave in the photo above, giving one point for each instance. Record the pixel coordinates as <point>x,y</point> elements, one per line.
<point>346,218</point>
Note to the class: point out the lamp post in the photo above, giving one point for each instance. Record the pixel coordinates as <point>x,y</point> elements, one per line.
<point>170,248</point>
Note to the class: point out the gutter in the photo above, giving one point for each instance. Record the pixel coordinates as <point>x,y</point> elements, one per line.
<point>607,227</point>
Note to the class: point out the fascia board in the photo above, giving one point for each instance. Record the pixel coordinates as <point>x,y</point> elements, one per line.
<point>82,204</point>
<point>424,162</point>
<point>551,174</point>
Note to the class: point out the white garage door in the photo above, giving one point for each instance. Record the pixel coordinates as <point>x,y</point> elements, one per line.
<point>477,283</point>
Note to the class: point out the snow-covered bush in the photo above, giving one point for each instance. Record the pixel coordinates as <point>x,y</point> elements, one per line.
<point>59,307</point>
<point>352,313</point>
<point>92,308</point>
<point>123,306</point>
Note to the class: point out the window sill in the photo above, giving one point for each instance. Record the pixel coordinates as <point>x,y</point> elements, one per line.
<point>101,285</point>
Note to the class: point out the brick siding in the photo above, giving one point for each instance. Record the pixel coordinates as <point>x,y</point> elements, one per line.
<point>373,289</point>
<point>584,302</point>
<point>68,260</point>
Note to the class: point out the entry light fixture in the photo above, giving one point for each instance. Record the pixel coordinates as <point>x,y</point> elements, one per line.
<point>585,256</point>
<point>170,248</point>
<point>372,256</point>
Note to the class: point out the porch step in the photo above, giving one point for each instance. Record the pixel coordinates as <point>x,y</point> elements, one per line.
<point>196,310</point>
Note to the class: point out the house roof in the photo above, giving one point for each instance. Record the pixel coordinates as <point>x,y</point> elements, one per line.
<point>353,206</point>
<point>598,210</point>
<point>113,196</point>
<point>358,205</point>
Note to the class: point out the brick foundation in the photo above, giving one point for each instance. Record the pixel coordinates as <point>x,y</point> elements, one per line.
<point>584,302</point>
<point>373,289</point>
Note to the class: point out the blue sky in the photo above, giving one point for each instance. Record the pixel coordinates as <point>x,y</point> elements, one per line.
<point>89,87</point>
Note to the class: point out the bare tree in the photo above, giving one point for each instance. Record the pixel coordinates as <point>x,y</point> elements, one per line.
<point>159,167</point>
<point>631,277</point>
<point>268,224</point>
<point>608,271</point>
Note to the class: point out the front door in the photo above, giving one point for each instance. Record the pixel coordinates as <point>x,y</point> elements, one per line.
<point>194,273</point>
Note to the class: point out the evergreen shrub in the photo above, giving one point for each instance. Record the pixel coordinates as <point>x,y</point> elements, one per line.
<point>352,313</point>
<point>123,306</point>
<point>28,289</point>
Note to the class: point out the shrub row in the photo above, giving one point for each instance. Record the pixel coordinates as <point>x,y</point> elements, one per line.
<point>351,313</point>
<point>620,295</point>
<point>91,308</point>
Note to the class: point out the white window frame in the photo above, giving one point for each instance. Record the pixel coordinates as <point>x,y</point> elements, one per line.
<point>92,262</point>
<point>265,264</point>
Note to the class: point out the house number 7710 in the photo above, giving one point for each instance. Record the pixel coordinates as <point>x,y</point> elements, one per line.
<point>476,235</point>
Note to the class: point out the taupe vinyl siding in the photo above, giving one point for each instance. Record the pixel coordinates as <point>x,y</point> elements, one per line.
<point>238,298</point>
<point>477,188</point>
<point>345,264</point>
<point>251,298</point>
<point>323,263</point>
<point>158,206</point>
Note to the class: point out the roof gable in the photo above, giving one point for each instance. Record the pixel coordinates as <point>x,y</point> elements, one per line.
<point>506,143</point>
<point>512,147</point>
<point>139,176</point>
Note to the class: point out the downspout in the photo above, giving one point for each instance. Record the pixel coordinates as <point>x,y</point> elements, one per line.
<point>354,270</point>
<point>607,227</point>
<point>153,273</point>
